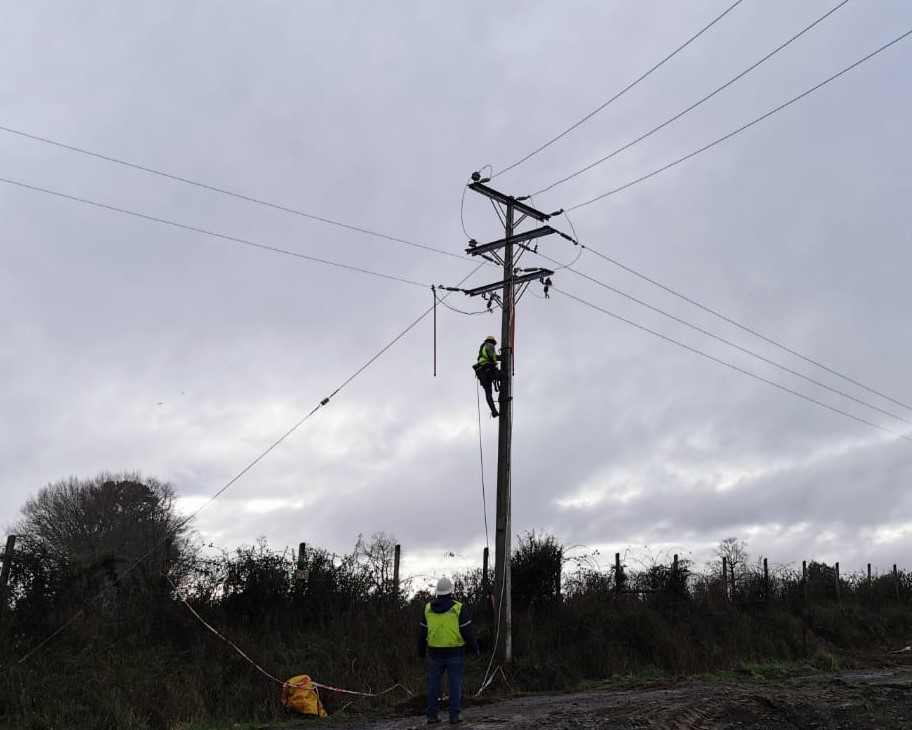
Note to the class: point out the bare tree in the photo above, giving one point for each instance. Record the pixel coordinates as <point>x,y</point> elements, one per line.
<point>735,555</point>
<point>377,559</point>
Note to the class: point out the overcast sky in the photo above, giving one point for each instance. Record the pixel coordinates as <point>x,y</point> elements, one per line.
<point>130,344</point>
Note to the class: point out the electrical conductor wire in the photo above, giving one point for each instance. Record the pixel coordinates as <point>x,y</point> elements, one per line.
<point>214,234</point>
<point>325,401</point>
<point>620,93</point>
<point>745,126</point>
<point>743,327</point>
<point>223,191</point>
<point>734,345</point>
<point>694,105</point>
<point>735,367</point>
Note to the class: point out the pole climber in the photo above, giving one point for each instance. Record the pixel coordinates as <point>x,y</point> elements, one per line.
<point>487,371</point>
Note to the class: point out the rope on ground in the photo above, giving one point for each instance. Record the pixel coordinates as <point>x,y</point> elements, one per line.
<point>262,671</point>
<point>490,679</point>
<point>489,675</point>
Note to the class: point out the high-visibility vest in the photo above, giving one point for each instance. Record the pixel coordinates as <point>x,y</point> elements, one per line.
<point>443,628</point>
<point>484,358</point>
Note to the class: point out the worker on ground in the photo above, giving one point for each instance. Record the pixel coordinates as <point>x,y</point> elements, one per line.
<point>443,634</point>
<point>487,371</point>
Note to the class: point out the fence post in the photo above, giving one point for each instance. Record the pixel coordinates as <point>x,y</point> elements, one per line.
<point>618,575</point>
<point>725,578</point>
<point>766,580</point>
<point>166,560</point>
<point>164,581</point>
<point>484,573</point>
<point>301,574</point>
<point>5,572</point>
<point>396,556</point>
<point>557,587</point>
<point>804,628</point>
<point>7,561</point>
<point>838,590</point>
<point>896,581</point>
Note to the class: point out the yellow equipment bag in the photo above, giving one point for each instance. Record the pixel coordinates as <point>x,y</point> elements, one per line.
<point>300,695</point>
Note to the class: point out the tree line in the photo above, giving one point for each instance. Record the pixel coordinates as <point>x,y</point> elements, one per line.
<point>91,557</point>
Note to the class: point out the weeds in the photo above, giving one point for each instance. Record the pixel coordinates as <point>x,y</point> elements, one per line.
<point>148,664</point>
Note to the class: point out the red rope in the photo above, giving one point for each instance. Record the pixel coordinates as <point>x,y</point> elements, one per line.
<point>263,671</point>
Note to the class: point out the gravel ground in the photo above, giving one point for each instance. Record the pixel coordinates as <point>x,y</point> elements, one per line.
<point>875,698</point>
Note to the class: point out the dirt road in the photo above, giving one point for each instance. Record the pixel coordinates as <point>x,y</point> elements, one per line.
<point>868,699</point>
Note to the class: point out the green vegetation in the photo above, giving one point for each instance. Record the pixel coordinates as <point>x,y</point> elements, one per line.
<point>135,658</point>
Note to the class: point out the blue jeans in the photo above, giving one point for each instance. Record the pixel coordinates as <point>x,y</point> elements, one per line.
<point>453,666</point>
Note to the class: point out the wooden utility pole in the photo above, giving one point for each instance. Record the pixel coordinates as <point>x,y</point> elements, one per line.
<point>511,288</point>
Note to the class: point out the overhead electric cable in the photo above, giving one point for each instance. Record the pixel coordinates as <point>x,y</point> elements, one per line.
<point>223,191</point>
<point>730,321</point>
<point>694,105</point>
<point>621,92</point>
<point>744,127</point>
<point>325,401</point>
<point>734,367</point>
<point>734,345</point>
<point>745,328</point>
<point>462,311</point>
<point>214,234</point>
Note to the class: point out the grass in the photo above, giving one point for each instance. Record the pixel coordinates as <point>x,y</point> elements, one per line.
<point>116,672</point>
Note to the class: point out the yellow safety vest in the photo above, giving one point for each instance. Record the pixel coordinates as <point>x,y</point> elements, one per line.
<point>484,358</point>
<point>443,628</point>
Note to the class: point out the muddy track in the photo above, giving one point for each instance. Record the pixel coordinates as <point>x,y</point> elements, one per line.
<point>869,699</point>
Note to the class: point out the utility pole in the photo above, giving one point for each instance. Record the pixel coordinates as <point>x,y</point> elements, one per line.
<point>515,281</point>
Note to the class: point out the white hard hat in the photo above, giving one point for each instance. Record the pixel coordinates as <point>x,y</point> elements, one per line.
<point>444,587</point>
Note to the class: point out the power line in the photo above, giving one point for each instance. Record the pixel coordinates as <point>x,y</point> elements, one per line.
<point>223,191</point>
<point>694,105</point>
<point>725,341</point>
<point>325,401</point>
<point>734,367</point>
<point>462,311</point>
<point>214,234</point>
<point>621,92</point>
<point>734,345</point>
<point>744,127</point>
<point>745,328</point>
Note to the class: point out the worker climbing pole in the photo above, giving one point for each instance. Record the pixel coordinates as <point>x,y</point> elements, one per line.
<point>485,367</point>
<point>506,293</point>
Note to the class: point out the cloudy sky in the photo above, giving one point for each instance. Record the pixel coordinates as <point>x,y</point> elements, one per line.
<point>132,344</point>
